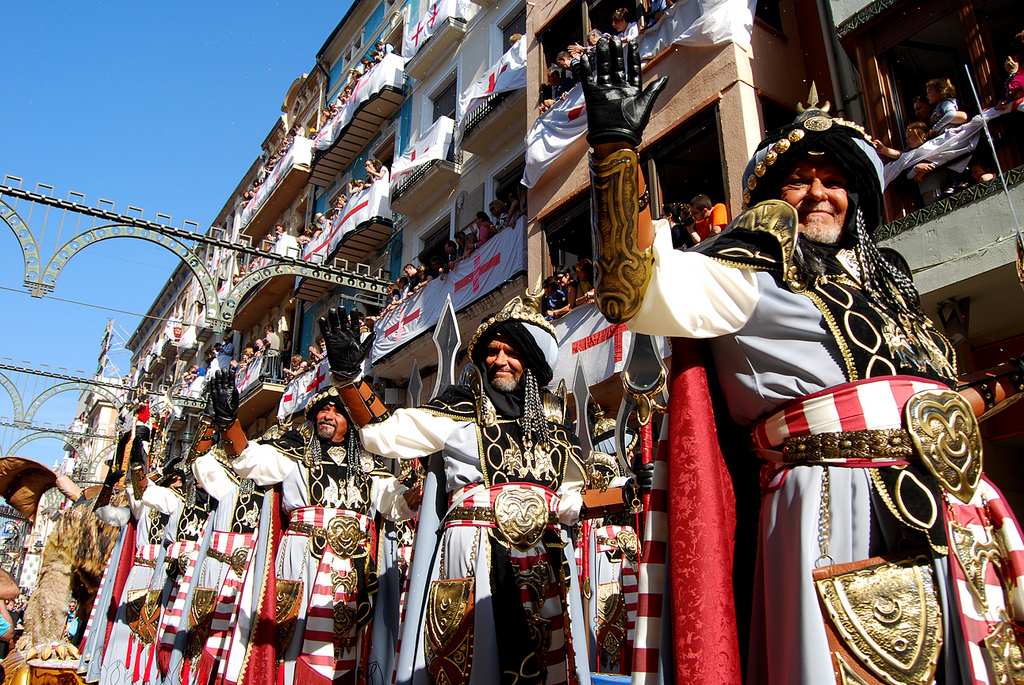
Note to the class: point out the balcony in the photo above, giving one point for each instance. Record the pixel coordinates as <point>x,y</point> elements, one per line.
<point>499,119</point>
<point>188,344</point>
<point>260,386</point>
<point>432,53</point>
<point>432,180</point>
<point>281,187</point>
<point>376,98</point>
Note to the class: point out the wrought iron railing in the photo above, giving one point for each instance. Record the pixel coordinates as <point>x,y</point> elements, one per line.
<point>484,110</point>
<point>454,156</point>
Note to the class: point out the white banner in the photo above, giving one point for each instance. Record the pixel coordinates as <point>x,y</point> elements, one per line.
<point>955,145</point>
<point>437,12</point>
<point>509,73</point>
<point>495,262</point>
<point>433,144</point>
<point>585,334</point>
<point>361,207</point>
<point>553,133</point>
<point>390,71</point>
<point>249,376</point>
<point>301,152</point>
<point>700,22</point>
<point>301,389</point>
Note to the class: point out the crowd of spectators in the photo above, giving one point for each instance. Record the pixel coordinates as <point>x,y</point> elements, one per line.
<point>272,161</point>
<point>380,49</point>
<point>564,291</point>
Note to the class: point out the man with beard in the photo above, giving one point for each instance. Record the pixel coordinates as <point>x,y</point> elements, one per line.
<point>849,393</point>
<point>331,489</point>
<point>495,599</point>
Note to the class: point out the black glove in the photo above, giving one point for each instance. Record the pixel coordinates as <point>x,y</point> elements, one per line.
<point>617,110</point>
<point>222,398</point>
<point>137,457</point>
<point>644,476</point>
<point>345,353</point>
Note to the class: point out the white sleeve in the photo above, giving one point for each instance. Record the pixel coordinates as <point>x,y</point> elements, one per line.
<point>388,499</point>
<point>409,434</point>
<point>264,464</point>
<point>212,476</point>
<point>570,493</point>
<point>694,296</point>
<point>162,499</point>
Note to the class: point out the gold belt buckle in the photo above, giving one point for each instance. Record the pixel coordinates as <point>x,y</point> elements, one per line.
<point>945,434</point>
<point>521,516</point>
<point>344,535</point>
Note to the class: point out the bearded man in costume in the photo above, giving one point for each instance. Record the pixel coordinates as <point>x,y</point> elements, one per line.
<point>493,599</point>
<point>849,392</point>
<point>331,489</point>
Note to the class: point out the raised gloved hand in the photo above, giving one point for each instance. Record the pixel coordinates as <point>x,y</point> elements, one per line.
<point>345,353</point>
<point>617,110</point>
<point>222,398</point>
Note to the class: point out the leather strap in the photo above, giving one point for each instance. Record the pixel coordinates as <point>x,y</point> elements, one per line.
<point>233,438</point>
<point>364,407</point>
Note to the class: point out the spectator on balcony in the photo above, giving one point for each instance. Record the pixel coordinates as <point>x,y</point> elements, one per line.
<point>1014,88</point>
<point>484,228</point>
<point>384,48</point>
<point>570,67</point>
<point>569,287</point>
<point>624,30</point>
<point>932,179</point>
<point>515,208</point>
<point>318,352</point>
<point>421,274</point>
<point>272,338</point>
<point>297,368</point>
<point>499,211</point>
<point>436,269</point>
<point>585,277</point>
<point>554,78</point>
<point>942,97</point>
<point>982,171</point>
<point>298,131</point>
<point>451,253</point>
<point>554,297</point>
<point>514,38</point>
<point>354,186</point>
<point>708,219</point>
<point>375,171</point>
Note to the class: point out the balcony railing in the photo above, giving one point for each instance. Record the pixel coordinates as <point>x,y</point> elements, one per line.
<point>452,163</point>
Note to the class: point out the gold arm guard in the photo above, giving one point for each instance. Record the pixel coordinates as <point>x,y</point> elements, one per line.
<point>623,269</point>
<point>363,405</point>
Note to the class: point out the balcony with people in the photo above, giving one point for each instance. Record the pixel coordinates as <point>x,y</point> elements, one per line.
<point>428,168</point>
<point>427,43</point>
<point>493,109</point>
<point>278,183</point>
<point>259,376</point>
<point>365,102</point>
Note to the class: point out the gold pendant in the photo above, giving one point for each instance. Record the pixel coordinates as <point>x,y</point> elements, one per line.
<point>945,434</point>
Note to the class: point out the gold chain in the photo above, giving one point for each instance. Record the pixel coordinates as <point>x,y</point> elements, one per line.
<point>824,521</point>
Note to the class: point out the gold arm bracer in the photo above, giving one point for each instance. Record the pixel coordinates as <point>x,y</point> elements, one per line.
<point>623,269</point>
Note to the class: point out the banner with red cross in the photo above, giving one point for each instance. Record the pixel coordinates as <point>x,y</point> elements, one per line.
<point>493,263</point>
<point>508,73</point>
<point>437,11</point>
<point>433,144</point>
<point>389,72</point>
<point>553,133</point>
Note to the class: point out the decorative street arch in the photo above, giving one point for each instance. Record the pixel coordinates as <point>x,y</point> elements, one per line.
<point>67,387</point>
<point>19,411</point>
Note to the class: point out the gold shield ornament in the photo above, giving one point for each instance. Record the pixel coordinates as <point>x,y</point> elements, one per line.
<point>521,516</point>
<point>945,434</point>
<point>344,535</point>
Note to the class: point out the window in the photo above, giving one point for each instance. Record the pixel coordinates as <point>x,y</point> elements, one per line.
<point>515,24</point>
<point>770,12</point>
<point>433,242</point>
<point>444,100</point>
<point>507,182</point>
<point>568,233</point>
<point>689,163</point>
<point>571,26</point>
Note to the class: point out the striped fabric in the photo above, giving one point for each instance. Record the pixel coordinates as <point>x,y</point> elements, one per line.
<point>481,497</point>
<point>318,648</point>
<point>168,626</point>
<point>987,511</point>
<point>651,576</point>
<point>870,404</point>
<point>226,610</point>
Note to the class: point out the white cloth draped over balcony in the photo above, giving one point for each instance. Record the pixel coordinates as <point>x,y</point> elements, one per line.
<point>433,144</point>
<point>390,71</point>
<point>952,148</point>
<point>700,22</point>
<point>437,12</point>
<point>250,375</point>
<point>300,152</point>
<point>493,263</point>
<point>301,389</point>
<point>553,133</point>
<point>584,334</point>
<point>368,203</point>
<point>508,73</point>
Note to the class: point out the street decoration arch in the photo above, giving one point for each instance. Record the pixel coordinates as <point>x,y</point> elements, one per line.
<point>19,410</point>
<point>33,407</point>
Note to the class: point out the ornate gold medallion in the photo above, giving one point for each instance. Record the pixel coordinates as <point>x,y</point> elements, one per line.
<point>521,516</point>
<point>629,544</point>
<point>344,535</point>
<point>204,599</point>
<point>1004,654</point>
<point>888,616</point>
<point>611,617</point>
<point>537,581</point>
<point>448,647</point>
<point>289,601</point>
<point>974,556</point>
<point>945,434</point>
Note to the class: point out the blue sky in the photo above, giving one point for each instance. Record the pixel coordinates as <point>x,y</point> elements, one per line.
<point>161,106</point>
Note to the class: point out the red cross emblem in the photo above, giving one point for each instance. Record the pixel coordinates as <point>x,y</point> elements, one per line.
<point>399,325</point>
<point>575,112</point>
<point>416,36</point>
<point>493,80</point>
<point>321,376</point>
<point>478,271</point>
<point>614,331</point>
<point>433,16</point>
